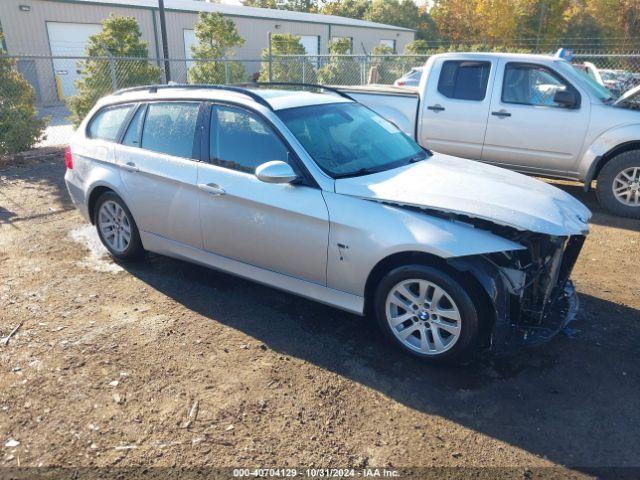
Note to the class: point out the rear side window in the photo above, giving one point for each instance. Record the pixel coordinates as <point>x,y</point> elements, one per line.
<point>464,80</point>
<point>134,131</point>
<point>170,128</point>
<point>107,123</point>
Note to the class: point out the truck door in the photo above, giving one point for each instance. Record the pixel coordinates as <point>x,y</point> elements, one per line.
<point>528,128</point>
<point>455,106</point>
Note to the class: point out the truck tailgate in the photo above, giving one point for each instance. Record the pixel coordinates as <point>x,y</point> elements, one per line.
<point>399,105</point>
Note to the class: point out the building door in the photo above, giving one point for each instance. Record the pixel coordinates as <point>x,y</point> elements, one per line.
<point>69,40</point>
<point>311,44</point>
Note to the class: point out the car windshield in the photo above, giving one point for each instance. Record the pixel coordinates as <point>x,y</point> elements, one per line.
<point>348,139</point>
<point>600,91</point>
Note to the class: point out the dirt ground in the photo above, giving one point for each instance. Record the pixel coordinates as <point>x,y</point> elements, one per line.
<point>111,359</point>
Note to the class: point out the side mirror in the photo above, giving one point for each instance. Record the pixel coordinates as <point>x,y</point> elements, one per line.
<point>565,98</point>
<point>276,171</point>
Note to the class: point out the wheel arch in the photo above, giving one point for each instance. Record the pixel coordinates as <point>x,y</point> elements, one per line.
<point>460,271</point>
<point>94,194</point>
<point>602,160</point>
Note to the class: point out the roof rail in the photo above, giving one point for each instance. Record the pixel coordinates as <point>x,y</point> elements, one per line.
<point>308,85</point>
<point>229,88</point>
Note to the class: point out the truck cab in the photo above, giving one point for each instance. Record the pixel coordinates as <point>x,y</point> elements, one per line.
<point>536,114</point>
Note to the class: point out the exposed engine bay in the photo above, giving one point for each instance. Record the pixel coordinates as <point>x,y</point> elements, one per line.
<point>530,288</point>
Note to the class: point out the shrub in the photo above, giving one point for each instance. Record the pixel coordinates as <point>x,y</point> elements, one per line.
<point>216,37</point>
<point>20,127</point>
<point>296,69</point>
<point>341,69</point>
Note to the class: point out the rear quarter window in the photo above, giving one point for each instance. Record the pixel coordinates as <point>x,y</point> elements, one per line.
<point>464,80</point>
<point>106,124</point>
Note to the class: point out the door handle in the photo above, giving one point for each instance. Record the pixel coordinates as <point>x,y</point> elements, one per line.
<point>435,108</point>
<point>211,188</point>
<point>501,114</point>
<point>131,167</point>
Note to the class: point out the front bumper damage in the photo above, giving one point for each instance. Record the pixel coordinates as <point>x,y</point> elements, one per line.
<point>530,290</point>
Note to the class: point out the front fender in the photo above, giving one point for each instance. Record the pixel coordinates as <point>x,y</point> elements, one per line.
<point>363,232</point>
<point>592,159</point>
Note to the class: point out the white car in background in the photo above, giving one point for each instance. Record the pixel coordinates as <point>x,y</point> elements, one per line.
<point>410,79</point>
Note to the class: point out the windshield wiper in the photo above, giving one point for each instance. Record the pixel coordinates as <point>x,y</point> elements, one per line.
<point>418,158</point>
<point>359,172</point>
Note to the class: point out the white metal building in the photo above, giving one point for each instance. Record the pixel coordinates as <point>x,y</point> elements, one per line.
<point>62,27</point>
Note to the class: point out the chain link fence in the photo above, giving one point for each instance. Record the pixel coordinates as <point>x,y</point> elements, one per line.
<point>66,87</point>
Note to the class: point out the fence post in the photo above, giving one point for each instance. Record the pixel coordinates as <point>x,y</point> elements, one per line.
<point>270,60</point>
<point>226,72</point>
<point>112,70</point>
<point>304,70</point>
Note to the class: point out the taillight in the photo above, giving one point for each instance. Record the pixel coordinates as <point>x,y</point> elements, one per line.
<point>401,84</point>
<point>68,158</point>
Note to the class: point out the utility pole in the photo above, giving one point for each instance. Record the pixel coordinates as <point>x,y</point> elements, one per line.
<point>543,8</point>
<point>165,46</point>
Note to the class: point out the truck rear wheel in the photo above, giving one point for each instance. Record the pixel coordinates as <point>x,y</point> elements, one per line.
<point>619,185</point>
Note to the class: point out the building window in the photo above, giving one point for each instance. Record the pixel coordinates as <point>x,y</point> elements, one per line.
<point>390,44</point>
<point>350,39</point>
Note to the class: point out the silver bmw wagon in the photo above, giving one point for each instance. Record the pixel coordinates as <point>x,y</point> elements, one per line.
<point>308,191</point>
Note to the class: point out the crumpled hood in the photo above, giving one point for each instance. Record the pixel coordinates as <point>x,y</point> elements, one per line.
<point>627,96</point>
<point>475,189</point>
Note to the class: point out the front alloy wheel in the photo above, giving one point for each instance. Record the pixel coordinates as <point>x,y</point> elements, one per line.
<point>428,312</point>
<point>423,316</point>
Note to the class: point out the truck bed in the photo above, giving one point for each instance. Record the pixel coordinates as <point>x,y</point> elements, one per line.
<point>400,105</point>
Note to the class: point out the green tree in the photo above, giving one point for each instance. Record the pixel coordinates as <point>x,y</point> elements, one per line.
<point>120,37</point>
<point>216,37</point>
<point>297,69</point>
<point>346,8</point>
<point>619,21</point>
<point>541,23</point>
<point>260,3</point>
<point>581,27</point>
<point>417,47</point>
<point>20,127</point>
<point>310,6</point>
<point>385,66</point>
<point>341,67</point>
<point>402,13</point>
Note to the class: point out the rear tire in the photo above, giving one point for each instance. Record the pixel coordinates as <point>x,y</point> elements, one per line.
<point>427,313</point>
<point>116,228</point>
<point>618,186</point>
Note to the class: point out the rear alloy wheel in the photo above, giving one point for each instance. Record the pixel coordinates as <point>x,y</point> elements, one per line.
<point>427,313</point>
<point>619,185</point>
<point>116,228</point>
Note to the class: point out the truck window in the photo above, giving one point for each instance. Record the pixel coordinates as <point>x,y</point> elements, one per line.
<point>464,80</point>
<point>529,84</point>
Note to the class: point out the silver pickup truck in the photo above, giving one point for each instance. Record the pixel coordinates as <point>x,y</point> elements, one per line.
<point>536,114</point>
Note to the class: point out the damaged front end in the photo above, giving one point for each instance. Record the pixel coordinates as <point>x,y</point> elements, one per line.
<point>530,289</point>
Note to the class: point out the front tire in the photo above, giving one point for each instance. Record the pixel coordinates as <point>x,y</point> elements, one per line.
<point>116,228</point>
<point>427,313</point>
<point>618,186</point>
